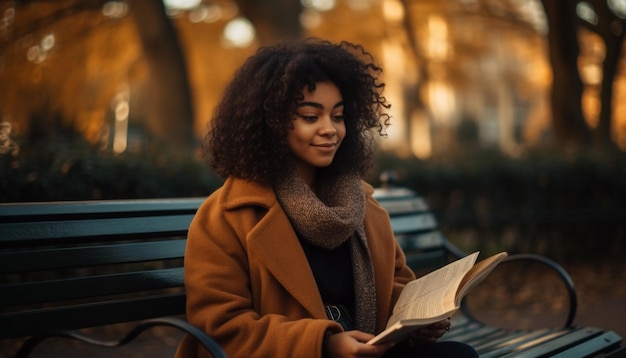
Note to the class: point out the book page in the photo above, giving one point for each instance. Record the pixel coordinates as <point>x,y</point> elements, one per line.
<point>478,273</point>
<point>432,294</point>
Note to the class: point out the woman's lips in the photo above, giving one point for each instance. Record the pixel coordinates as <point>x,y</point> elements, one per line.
<point>326,147</point>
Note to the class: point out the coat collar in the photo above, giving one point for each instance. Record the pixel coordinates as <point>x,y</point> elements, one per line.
<point>239,192</point>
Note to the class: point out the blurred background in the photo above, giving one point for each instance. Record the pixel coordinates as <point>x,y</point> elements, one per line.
<point>509,116</point>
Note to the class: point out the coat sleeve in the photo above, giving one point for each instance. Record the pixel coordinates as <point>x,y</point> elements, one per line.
<point>220,300</point>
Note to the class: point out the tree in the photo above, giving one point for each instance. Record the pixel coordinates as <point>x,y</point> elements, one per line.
<point>564,24</point>
<point>611,28</point>
<point>170,111</point>
<point>567,86</point>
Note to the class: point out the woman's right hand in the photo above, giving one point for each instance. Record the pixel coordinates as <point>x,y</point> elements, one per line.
<point>354,344</point>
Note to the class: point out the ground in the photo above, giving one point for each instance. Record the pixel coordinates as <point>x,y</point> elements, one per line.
<point>601,303</point>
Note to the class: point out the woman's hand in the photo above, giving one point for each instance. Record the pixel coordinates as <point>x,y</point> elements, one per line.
<point>353,344</point>
<point>430,334</point>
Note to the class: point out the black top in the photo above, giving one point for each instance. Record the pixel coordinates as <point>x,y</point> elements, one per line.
<point>333,273</point>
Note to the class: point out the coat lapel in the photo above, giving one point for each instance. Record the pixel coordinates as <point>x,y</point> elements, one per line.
<point>276,245</point>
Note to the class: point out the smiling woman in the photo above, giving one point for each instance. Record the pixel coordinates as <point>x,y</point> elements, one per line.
<point>292,256</point>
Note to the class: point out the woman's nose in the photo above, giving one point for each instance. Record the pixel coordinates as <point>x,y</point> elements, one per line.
<point>327,126</point>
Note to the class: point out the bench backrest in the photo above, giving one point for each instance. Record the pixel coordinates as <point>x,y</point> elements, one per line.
<point>415,228</point>
<point>70,265</point>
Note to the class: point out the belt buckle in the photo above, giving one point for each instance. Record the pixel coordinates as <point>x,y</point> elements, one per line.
<point>333,312</point>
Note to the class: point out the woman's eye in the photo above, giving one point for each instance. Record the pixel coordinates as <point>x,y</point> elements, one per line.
<point>308,118</point>
<point>338,117</point>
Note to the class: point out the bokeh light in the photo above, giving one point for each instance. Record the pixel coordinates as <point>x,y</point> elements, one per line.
<point>239,32</point>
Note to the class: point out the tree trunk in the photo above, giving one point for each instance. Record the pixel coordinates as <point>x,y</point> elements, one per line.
<point>609,68</point>
<point>169,112</point>
<point>567,88</point>
<point>611,29</point>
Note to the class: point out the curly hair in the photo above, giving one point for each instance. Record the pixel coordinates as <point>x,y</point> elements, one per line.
<point>248,132</point>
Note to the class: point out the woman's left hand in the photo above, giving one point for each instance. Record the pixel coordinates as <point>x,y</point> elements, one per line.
<point>431,333</point>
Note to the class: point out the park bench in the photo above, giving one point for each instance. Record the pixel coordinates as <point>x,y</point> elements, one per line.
<point>66,266</point>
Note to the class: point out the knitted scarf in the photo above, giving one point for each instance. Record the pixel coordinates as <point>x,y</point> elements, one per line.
<point>327,220</point>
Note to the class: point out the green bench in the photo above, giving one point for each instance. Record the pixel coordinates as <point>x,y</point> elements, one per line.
<point>66,266</point>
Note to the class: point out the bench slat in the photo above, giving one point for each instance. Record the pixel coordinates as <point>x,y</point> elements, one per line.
<point>55,232</point>
<point>551,345</point>
<point>90,286</point>
<point>532,339</point>
<point>426,260</point>
<point>14,325</point>
<point>422,241</point>
<point>528,338</point>
<point>476,333</point>
<point>606,341</point>
<point>503,338</point>
<point>13,212</point>
<point>403,205</point>
<point>413,223</point>
<point>87,256</point>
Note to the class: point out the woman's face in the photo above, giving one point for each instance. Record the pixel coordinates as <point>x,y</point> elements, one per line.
<point>317,128</point>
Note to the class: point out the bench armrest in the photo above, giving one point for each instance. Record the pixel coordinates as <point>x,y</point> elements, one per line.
<point>557,269</point>
<point>207,342</point>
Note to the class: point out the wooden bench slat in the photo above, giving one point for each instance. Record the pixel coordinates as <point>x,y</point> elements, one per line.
<point>474,333</point>
<point>426,260</point>
<point>85,256</point>
<point>606,341</point>
<point>404,205</point>
<point>422,241</point>
<point>551,344</point>
<point>12,212</point>
<point>503,338</point>
<point>89,286</point>
<point>513,342</point>
<point>486,338</point>
<point>413,223</point>
<point>20,324</point>
<point>65,231</point>
<point>528,337</point>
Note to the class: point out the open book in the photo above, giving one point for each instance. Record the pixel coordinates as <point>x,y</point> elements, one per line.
<point>435,296</point>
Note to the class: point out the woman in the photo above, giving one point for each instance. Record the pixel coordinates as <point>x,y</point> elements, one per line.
<point>292,257</point>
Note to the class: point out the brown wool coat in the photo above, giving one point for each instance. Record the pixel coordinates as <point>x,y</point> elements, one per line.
<point>248,282</point>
